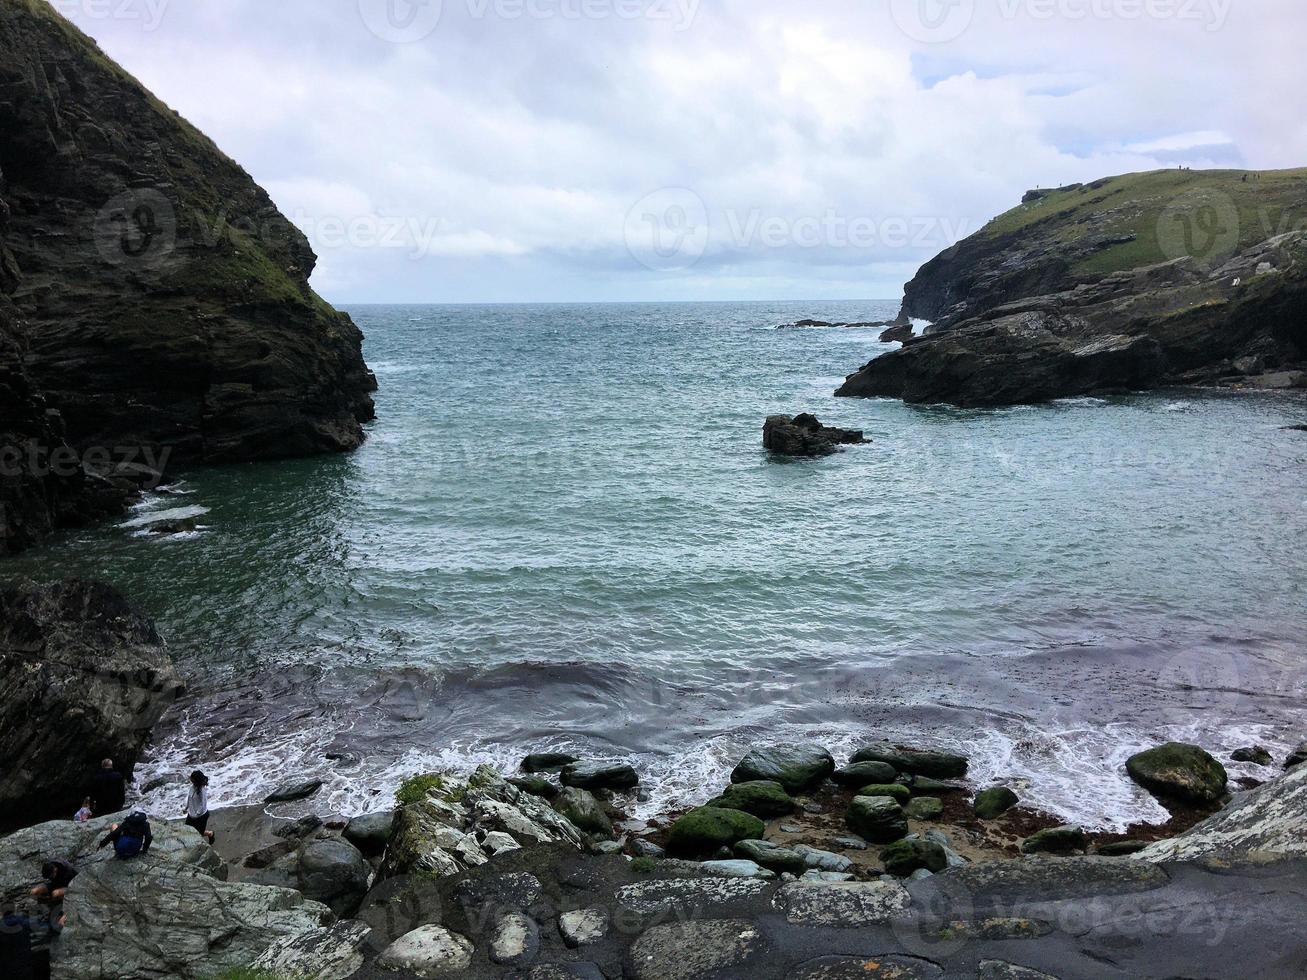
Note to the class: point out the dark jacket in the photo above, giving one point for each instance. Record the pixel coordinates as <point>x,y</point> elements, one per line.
<point>108,791</point>
<point>63,875</point>
<point>16,960</point>
<point>134,826</point>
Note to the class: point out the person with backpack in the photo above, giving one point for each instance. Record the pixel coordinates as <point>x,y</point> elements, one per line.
<point>131,838</point>
<point>197,805</point>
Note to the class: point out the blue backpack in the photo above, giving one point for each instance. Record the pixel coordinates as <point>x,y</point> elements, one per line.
<point>131,837</point>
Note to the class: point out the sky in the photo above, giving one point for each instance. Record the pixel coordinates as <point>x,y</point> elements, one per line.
<point>651,150</point>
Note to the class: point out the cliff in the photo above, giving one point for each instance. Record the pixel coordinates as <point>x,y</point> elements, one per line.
<point>1132,282</point>
<point>153,296</point>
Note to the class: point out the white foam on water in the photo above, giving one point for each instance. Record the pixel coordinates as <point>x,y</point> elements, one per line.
<point>167,514</point>
<point>1084,401</point>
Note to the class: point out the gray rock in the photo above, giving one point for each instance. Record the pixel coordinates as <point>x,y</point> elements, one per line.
<point>517,891</point>
<point>584,810</point>
<point>370,833</point>
<point>540,786</point>
<point>584,927</point>
<point>1297,757</point>
<point>600,775</point>
<point>516,940</point>
<point>905,857</point>
<point>772,856</point>
<point>685,895</point>
<point>547,762</point>
<point>796,767</point>
<point>1056,840</point>
<point>851,843</point>
<point>497,842</point>
<point>921,874</point>
<point>335,873</point>
<point>858,774</point>
<point>428,952</point>
<point>820,860</point>
<point>694,950</point>
<point>1257,755</point>
<point>1035,880</point>
<point>606,847</point>
<point>646,848</point>
<point>878,819</point>
<point>327,954</point>
<point>993,803</point>
<point>815,875</point>
<point>1002,970</point>
<point>291,792</point>
<point>924,808</point>
<point>918,762</point>
<point>737,869</point>
<point>1179,771</point>
<point>842,905</point>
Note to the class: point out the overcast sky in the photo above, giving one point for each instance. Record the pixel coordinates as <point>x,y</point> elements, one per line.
<point>556,150</point>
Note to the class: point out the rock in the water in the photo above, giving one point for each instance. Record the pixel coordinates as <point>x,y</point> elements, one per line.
<point>906,856</point>
<point>516,940</point>
<point>166,302</point>
<point>918,762</point>
<point>1297,757</point>
<point>547,762</point>
<point>804,435</point>
<point>924,808</point>
<point>762,798</point>
<point>895,791</point>
<point>584,809</point>
<point>693,950</point>
<point>773,856</point>
<point>328,954</point>
<point>541,786</point>
<point>371,832</point>
<point>600,775</point>
<point>899,334</point>
<point>1271,819</point>
<point>584,927</point>
<point>85,676</point>
<point>1056,840</point>
<point>850,905</point>
<point>1256,754</point>
<point>857,774</point>
<point>428,952</point>
<point>1179,771</point>
<point>293,791</point>
<point>878,819</point>
<point>993,803</point>
<point>796,767</point>
<point>704,830</point>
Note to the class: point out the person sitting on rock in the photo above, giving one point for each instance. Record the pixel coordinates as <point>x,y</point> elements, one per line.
<point>130,838</point>
<point>84,814</point>
<point>108,789</point>
<point>57,875</point>
<point>197,805</point>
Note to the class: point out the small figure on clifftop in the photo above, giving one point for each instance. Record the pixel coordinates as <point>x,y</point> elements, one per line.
<point>85,813</point>
<point>130,838</point>
<point>108,789</point>
<point>197,805</point>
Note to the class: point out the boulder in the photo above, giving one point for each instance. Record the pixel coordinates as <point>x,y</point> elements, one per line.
<point>917,762</point>
<point>993,803</point>
<point>1179,771</point>
<point>1257,755</point>
<point>685,896</point>
<point>541,786</point>
<point>900,333</point>
<point>896,791</point>
<point>516,940</point>
<point>924,808</point>
<point>857,774</point>
<point>428,952</point>
<point>584,927</point>
<point>849,905</point>
<point>600,775</point>
<point>804,435</point>
<point>547,762</point>
<point>1297,757</point>
<point>1056,840</point>
<point>904,857</point>
<point>772,856</point>
<point>584,810</point>
<point>763,798</point>
<point>738,868</point>
<point>370,833</point>
<point>704,830</point>
<point>295,790</point>
<point>150,918</point>
<point>85,677</point>
<point>334,872</point>
<point>878,819</point>
<point>796,767</point>
<point>819,860</point>
<point>693,950</point>
<point>325,954</point>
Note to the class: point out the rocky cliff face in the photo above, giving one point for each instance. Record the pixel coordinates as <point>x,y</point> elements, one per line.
<point>1128,283</point>
<point>155,296</point>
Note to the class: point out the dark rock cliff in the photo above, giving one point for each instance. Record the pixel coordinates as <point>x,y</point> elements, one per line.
<point>1134,282</point>
<point>153,294</point>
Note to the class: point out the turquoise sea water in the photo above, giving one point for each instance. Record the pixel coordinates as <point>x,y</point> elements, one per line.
<point>564,530</point>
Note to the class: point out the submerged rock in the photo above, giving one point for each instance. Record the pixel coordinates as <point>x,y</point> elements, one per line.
<point>1179,771</point>
<point>804,435</point>
<point>763,798</point>
<point>85,677</point>
<point>796,767</point>
<point>293,791</point>
<point>704,830</point>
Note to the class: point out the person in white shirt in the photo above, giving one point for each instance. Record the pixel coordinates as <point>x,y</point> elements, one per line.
<point>197,805</point>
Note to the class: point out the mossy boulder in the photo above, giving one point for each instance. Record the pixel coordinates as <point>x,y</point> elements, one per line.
<point>584,810</point>
<point>541,786</point>
<point>918,762</point>
<point>896,791</point>
<point>763,798</point>
<point>993,803</point>
<point>1179,771</point>
<point>878,819</point>
<point>857,774</point>
<point>772,856</point>
<point>708,828</point>
<point>1056,840</point>
<point>796,767</point>
<point>924,808</point>
<point>1255,754</point>
<point>904,857</point>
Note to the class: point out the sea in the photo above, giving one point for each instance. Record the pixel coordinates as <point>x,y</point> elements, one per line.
<point>563,532</point>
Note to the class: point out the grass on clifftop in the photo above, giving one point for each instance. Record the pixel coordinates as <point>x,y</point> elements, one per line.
<point>1268,203</point>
